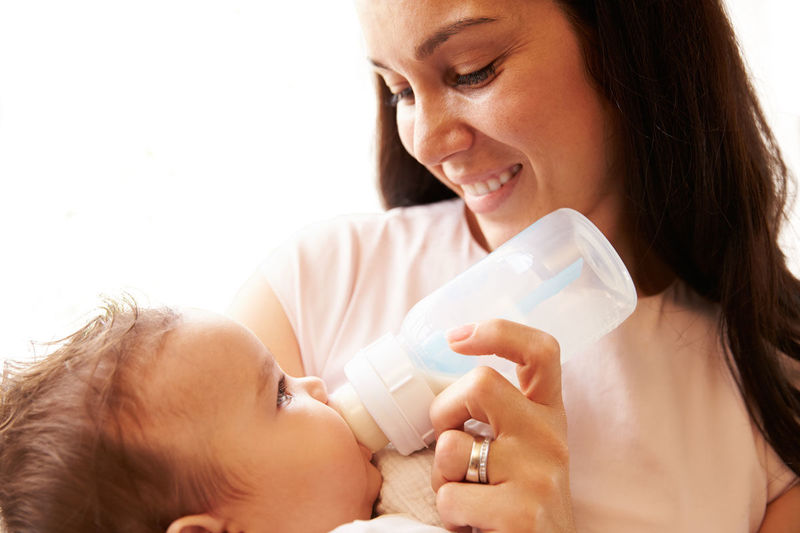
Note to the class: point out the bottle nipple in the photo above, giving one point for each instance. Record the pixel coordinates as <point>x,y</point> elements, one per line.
<point>347,403</point>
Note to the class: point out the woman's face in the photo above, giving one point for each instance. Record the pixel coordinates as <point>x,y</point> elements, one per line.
<point>493,97</point>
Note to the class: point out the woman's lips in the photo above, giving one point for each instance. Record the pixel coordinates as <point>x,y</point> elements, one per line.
<point>482,188</point>
<point>488,195</point>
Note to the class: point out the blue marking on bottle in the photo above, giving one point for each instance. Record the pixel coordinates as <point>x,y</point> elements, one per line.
<point>435,353</point>
<point>551,287</point>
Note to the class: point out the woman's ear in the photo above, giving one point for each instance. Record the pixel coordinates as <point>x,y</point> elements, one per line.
<point>197,523</point>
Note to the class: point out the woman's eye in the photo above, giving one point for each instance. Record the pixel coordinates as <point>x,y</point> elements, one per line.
<point>471,79</point>
<point>395,98</point>
<point>477,77</point>
<point>284,396</point>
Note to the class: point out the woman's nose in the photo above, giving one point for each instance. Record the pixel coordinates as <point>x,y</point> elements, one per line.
<point>439,131</point>
<point>315,387</point>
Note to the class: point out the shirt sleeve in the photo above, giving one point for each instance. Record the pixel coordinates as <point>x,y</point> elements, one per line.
<point>312,275</point>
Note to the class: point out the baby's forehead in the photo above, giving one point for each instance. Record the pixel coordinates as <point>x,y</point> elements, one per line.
<point>207,355</point>
<point>203,332</point>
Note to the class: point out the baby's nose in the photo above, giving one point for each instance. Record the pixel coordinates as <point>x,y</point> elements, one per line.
<point>315,388</point>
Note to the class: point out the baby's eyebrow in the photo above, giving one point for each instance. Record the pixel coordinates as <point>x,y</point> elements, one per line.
<point>265,372</point>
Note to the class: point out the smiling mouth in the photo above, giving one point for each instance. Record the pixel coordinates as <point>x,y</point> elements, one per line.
<point>482,188</point>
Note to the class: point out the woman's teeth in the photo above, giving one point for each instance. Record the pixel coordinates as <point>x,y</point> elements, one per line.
<point>482,188</point>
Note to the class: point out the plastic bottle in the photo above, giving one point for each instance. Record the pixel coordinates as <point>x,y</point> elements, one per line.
<point>559,275</point>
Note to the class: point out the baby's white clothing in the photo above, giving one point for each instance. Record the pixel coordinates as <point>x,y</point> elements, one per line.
<point>659,437</point>
<point>395,523</point>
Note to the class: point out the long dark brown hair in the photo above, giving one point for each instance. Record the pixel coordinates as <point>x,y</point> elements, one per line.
<point>704,176</point>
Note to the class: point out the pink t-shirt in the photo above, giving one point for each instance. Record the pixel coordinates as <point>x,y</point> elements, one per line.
<point>659,437</point>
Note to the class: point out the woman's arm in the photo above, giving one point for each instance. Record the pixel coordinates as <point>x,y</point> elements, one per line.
<point>783,514</point>
<point>257,307</point>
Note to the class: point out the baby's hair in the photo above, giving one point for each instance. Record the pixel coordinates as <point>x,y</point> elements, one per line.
<point>75,453</point>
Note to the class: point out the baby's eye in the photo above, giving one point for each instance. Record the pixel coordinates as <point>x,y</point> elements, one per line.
<point>284,396</point>
<point>477,77</point>
<point>395,98</point>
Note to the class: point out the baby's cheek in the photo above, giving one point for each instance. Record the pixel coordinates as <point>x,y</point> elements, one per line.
<point>361,475</point>
<point>374,482</point>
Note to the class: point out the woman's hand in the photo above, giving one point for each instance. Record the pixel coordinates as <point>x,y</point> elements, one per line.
<point>528,464</point>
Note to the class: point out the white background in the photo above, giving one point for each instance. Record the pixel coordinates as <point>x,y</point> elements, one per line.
<point>164,146</point>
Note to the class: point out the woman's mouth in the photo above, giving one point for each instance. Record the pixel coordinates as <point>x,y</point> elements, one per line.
<point>482,188</point>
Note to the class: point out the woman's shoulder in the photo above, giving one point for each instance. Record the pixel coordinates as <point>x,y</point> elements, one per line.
<point>678,313</point>
<point>399,222</point>
<point>397,246</point>
<point>346,280</point>
<point>405,231</point>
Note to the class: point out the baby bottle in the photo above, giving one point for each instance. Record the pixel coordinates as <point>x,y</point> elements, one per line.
<point>559,275</point>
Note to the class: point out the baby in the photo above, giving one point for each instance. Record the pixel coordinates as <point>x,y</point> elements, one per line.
<point>153,420</point>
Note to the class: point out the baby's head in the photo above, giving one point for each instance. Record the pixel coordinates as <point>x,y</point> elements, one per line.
<point>152,420</point>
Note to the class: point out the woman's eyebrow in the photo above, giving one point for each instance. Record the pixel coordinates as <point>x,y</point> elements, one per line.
<point>444,33</point>
<point>438,37</point>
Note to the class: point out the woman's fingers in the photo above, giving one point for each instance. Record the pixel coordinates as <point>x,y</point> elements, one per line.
<point>453,449</point>
<point>536,353</point>
<point>524,430</point>
<point>528,462</point>
<point>528,487</point>
<point>468,504</point>
<point>481,394</point>
<point>528,482</point>
<point>500,508</point>
<point>485,395</point>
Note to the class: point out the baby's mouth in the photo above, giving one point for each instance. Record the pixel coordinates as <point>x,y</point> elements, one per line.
<point>482,188</point>
<point>365,451</point>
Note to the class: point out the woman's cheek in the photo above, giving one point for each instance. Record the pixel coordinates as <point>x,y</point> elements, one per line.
<point>405,129</point>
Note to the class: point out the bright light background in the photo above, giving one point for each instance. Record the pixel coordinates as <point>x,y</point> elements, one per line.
<point>164,146</point>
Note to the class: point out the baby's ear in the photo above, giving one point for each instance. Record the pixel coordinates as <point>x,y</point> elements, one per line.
<point>197,523</point>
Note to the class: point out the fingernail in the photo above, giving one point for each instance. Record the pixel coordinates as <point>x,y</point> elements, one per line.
<point>459,333</point>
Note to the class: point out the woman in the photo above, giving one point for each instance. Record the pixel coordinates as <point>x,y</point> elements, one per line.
<point>640,115</point>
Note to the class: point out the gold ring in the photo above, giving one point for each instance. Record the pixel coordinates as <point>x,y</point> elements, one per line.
<point>478,458</point>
